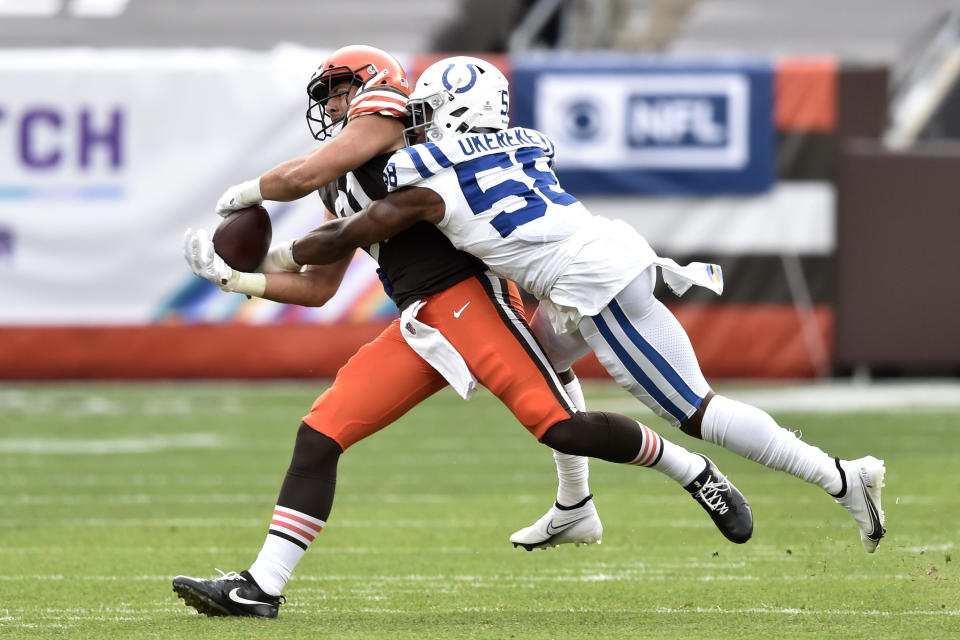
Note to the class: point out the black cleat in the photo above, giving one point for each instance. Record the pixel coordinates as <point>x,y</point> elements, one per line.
<point>232,594</point>
<point>724,502</point>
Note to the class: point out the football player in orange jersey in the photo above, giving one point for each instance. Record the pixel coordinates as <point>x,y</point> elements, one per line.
<point>359,96</point>
<point>354,81</point>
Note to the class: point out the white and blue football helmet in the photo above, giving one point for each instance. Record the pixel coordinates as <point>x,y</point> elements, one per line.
<point>457,95</point>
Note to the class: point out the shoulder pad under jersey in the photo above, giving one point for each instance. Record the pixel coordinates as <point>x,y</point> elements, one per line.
<point>384,101</point>
<point>540,140</point>
<point>412,165</point>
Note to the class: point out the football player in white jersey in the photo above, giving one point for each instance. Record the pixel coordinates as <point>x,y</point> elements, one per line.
<point>493,192</point>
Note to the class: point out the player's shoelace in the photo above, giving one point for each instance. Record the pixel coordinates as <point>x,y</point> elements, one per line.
<point>712,495</point>
<point>231,575</point>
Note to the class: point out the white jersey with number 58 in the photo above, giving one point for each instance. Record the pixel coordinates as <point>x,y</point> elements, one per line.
<point>503,205</point>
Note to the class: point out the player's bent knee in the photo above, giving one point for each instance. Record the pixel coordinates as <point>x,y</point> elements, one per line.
<point>538,410</point>
<point>692,426</point>
<point>597,434</point>
<point>314,451</point>
<point>562,436</point>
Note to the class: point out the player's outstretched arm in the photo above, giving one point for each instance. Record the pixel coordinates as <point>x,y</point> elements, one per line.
<point>311,287</point>
<point>277,278</point>
<point>366,137</point>
<point>383,219</point>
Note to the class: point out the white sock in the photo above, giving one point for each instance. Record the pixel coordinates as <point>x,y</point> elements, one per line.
<point>753,434</point>
<point>668,458</point>
<point>575,391</point>
<point>288,538</point>
<point>275,564</point>
<point>573,472</point>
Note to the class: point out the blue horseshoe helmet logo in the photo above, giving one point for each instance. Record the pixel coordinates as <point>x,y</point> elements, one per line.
<point>467,87</point>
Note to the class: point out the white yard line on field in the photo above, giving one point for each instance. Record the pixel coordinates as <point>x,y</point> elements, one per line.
<point>135,498</point>
<point>823,397</point>
<point>79,446</point>
<point>481,581</point>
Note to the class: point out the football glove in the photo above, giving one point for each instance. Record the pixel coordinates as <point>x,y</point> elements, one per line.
<point>239,196</point>
<point>203,259</point>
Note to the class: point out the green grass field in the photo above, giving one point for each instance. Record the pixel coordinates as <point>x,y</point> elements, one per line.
<point>108,491</point>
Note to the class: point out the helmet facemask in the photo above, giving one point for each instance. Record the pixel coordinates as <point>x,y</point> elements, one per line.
<point>365,68</point>
<point>320,91</point>
<point>422,112</point>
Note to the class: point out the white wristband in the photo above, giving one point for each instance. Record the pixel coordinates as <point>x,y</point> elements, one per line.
<point>251,284</point>
<point>279,259</point>
<point>249,192</point>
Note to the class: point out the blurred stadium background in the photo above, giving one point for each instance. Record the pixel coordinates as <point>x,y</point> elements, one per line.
<point>810,148</point>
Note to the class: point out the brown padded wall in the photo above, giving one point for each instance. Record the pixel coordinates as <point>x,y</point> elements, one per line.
<point>898,242</point>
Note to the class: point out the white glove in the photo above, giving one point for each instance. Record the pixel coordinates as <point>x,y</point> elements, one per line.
<point>239,196</point>
<point>203,259</point>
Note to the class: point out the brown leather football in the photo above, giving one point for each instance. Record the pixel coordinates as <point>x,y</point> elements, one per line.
<point>243,237</point>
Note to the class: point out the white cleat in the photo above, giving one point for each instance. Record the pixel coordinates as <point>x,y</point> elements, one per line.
<point>860,495</point>
<point>579,524</point>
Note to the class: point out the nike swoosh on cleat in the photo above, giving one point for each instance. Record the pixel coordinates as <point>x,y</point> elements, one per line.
<point>552,531</point>
<point>878,530</point>
<point>241,600</point>
<point>456,314</point>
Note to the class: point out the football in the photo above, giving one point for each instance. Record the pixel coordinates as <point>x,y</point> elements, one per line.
<point>243,237</point>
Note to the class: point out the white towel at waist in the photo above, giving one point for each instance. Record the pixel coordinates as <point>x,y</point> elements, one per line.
<point>678,279</point>
<point>433,347</point>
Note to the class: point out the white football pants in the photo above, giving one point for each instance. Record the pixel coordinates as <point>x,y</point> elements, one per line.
<point>641,344</point>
